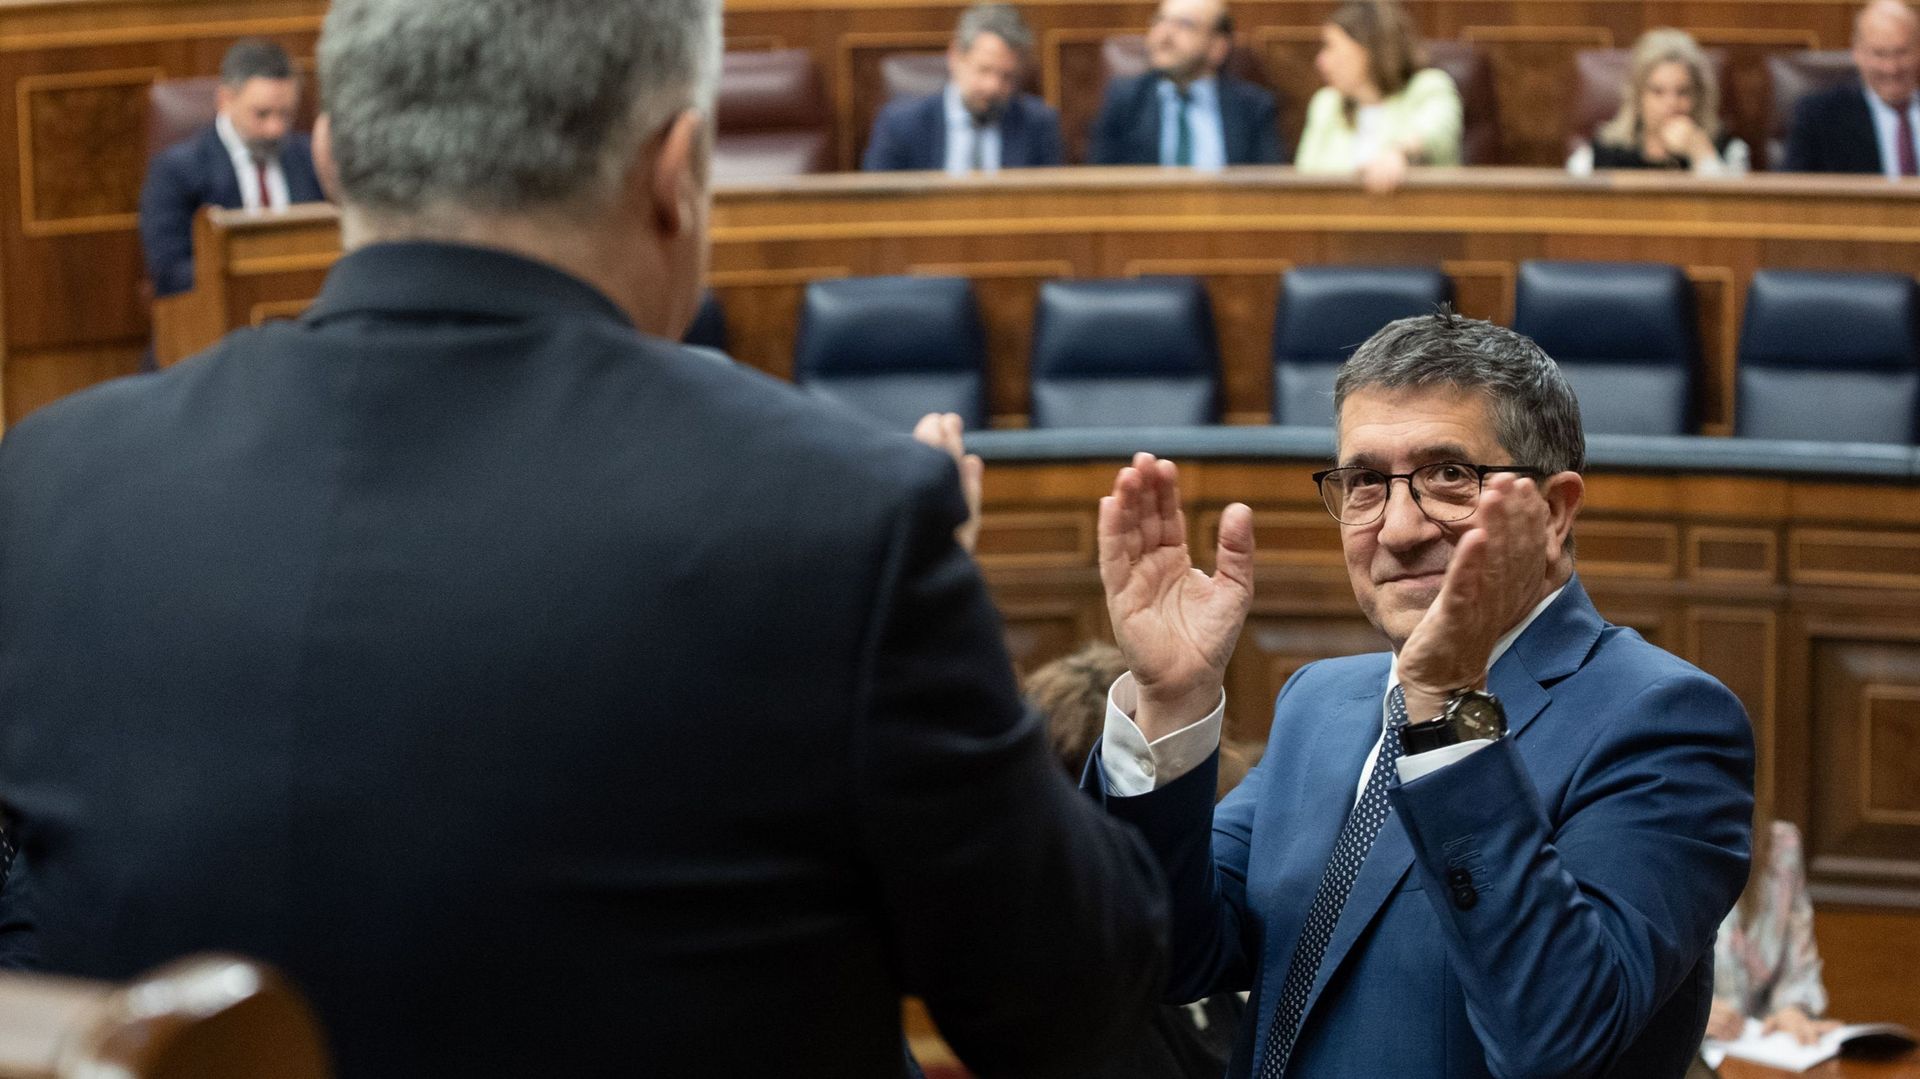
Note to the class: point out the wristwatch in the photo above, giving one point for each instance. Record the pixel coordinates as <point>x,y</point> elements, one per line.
<point>1470,714</point>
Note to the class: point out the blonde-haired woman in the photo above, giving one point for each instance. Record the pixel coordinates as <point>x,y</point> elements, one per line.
<point>1669,114</point>
<point>1382,109</point>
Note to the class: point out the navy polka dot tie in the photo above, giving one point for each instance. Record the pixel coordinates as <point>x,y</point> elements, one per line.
<point>1349,853</point>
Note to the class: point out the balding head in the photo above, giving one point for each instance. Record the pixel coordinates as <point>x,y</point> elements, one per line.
<point>1886,49</point>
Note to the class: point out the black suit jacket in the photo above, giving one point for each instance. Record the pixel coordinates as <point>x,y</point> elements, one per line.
<point>1127,131</point>
<point>195,173</point>
<point>546,698</point>
<point>911,133</point>
<point>1833,132</point>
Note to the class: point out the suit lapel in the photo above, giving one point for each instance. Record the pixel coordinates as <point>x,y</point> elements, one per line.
<point>1233,134</point>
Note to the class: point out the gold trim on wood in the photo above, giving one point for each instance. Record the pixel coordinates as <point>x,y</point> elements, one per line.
<point>138,35</point>
<point>1765,724</point>
<point>1041,269</point>
<point>277,310</point>
<point>1589,533</point>
<point>1869,695</point>
<point>1222,267</point>
<point>1738,35</point>
<point>1504,271</point>
<point>1762,538</point>
<point>1598,37</point>
<point>30,222</point>
<point>1079,552</point>
<point>761,278</point>
<point>1799,539</point>
<point>262,265</point>
<point>1723,364</point>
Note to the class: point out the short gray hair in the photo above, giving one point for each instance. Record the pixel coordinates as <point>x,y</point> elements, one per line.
<point>1001,20</point>
<point>1535,415</point>
<point>506,106</point>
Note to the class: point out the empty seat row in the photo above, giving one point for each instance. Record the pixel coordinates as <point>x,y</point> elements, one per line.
<point>1142,352</point>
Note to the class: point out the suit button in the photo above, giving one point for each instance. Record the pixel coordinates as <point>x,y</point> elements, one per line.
<point>1461,882</point>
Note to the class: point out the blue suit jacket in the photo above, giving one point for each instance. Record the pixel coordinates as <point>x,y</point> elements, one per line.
<point>1832,131</point>
<point>911,133</point>
<point>1545,906</point>
<point>196,173</point>
<point>1128,129</point>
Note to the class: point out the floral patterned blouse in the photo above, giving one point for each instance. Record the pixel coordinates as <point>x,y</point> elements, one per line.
<point>1771,962</point>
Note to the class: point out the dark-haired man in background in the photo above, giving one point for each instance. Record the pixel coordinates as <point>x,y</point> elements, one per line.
<point>249,157</point>
<point>979,121</point>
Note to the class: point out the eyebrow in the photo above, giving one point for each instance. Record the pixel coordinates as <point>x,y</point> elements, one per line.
<point>1425,455</point>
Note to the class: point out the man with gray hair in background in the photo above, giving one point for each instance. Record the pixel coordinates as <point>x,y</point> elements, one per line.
<point>544,698</point>
<point>980,121</point>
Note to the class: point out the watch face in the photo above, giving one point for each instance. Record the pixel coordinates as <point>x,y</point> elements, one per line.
<point>1478,715</point>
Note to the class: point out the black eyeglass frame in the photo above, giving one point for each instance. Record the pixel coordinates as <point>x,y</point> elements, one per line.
<point>1481,471</point>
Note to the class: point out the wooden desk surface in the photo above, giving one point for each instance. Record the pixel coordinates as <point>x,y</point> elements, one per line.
<point>1906,1067</point>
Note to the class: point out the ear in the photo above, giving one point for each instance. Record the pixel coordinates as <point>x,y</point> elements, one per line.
<point>678,178</point>
<point>1564,492</point>
<point>323,163</point>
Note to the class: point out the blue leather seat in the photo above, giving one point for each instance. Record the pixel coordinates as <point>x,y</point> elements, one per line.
<point>709,328</point>
<point>1829,357</point>
<point>1325,312</point>
<point>1124,353</point>
<point>1625,336</point>
<point>895,348</point>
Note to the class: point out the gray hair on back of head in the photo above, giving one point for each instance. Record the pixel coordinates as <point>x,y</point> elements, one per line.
<point>1001,20</point>
<point>1536,417</point>
<point>506,106</point>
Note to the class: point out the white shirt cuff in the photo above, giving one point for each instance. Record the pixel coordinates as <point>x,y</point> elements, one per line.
<point>1135,766</point>
<point>1420,764</point>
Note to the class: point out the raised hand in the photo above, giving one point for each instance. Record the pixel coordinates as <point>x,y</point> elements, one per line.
<point>1498,572</point>
<point>1176,625</point>
<point>943,431</point>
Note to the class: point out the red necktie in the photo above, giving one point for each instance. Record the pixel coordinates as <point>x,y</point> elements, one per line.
<point>1904,152</point>
<point>266,196</point>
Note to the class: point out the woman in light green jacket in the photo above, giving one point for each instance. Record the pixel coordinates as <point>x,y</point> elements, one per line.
<point>1381,110</point>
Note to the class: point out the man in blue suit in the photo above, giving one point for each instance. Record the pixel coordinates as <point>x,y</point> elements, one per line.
<point>1187,110</point>
<point>249,157</point>
<point>979,121</point>
<point>1516,883</point>
<point>1869,124</point>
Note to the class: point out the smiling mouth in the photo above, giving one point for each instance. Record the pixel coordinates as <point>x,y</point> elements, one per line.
<point>1429,577</point>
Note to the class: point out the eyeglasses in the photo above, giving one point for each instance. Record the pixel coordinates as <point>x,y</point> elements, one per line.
<point>1446,491</point>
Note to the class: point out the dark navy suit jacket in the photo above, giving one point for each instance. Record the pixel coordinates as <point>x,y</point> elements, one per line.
<point>1545,906</point>
<point>545,698</point>
<point>196,173</point>
<point>1833,132</point>
<point>1127,131</point>
<point>911,133</point>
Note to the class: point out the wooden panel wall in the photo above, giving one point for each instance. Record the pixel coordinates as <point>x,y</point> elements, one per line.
<point>1824,654</point>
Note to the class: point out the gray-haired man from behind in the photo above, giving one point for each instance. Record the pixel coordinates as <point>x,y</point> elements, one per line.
<point>545,699</point>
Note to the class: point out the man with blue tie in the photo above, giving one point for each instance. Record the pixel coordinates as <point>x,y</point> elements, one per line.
<point>979,121</point>
<point>249,157</point>
<point>1500,849</point>
<point>1186,110</point>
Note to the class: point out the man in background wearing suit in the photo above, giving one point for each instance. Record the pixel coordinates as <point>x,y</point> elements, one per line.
<point>249,157</point>
<point>980,121</point>
<point>1871,124</point>
<point>1520,882</point>
<point>1186,110</point>
<point>545,698</point>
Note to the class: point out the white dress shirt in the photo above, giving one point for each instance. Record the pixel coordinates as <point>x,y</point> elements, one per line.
<point>1209,143</point>
<point>1886,129</point>
<point>962,132</point>
<point>1135,766</point>
<point>248,172</point>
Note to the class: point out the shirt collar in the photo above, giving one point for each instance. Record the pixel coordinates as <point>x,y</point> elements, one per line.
<point>1200,92</point>
<point>1880,107</point>
<point>1499,647</point>
<point>230,138</point>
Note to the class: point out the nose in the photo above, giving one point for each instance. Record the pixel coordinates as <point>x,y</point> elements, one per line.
<point>1404,526</point>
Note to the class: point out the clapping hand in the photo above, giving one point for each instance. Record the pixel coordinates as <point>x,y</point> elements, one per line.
<point>943,431</point>
<point>1496,575</point>
<point>1176,625</point>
